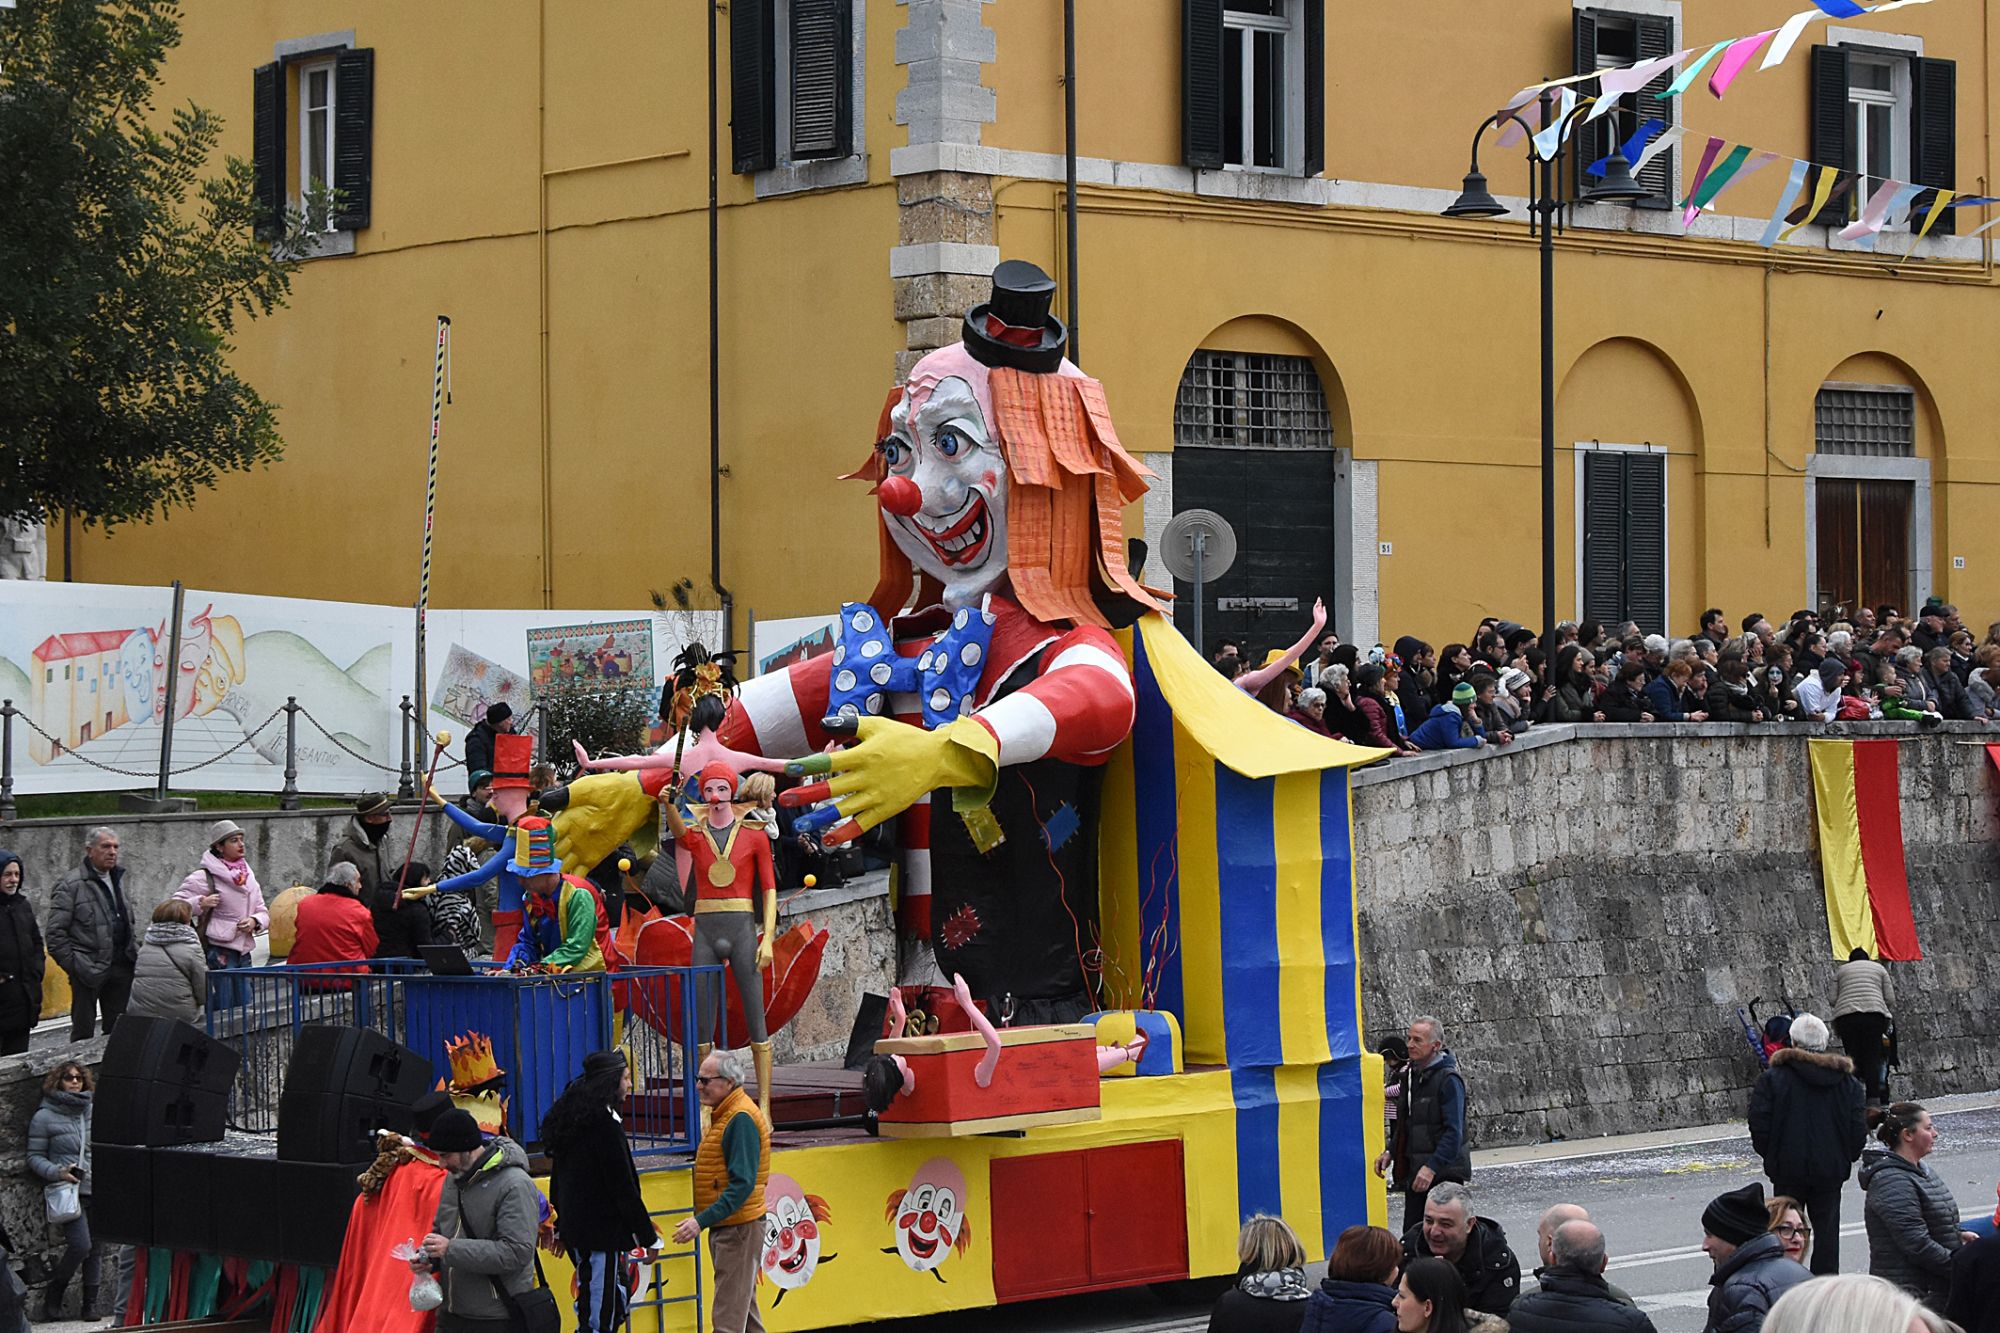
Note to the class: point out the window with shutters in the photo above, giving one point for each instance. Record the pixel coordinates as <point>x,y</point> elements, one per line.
<point>1623,536</point>
<point>797,89</point>
<point>316,99</point>
<point>1253,85</point>
<point>1884,113</point>
<point>1606,39</point>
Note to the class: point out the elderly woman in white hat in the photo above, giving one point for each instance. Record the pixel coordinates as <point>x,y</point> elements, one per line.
<point>229,909</point>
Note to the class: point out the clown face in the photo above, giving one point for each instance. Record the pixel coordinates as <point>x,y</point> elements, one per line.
<point>944,487</point>
<point>717,791</point>
<point>930,1218</point>
<point>791,1232</point>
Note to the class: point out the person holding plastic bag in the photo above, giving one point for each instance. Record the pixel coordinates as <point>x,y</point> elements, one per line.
<point>59,1156</point>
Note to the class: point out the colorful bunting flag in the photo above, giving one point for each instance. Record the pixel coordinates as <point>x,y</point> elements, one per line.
<point>1629,150</point>
<point>1788,37</point>
<point>1557,129</point>
<point>1616,83</point>
<point>1793,184</point>
<point>1858,806</point>
<point>1840,9</point>
<point>1874,213</point>
<point>1660,145</point>
<point>1700,175</point>
<point>1693,72</point>
<point>1739,54</point>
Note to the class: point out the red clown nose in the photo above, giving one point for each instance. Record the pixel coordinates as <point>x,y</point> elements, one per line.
<point>900,496</point>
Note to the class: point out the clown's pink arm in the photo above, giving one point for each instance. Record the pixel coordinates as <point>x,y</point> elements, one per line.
<point>1250,682</point>
<point>899,1016</point>
<point>705,749</point>
<point>982,1074</point>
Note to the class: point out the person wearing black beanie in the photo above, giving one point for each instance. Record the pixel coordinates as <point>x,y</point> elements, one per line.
<point>1751,1269</point>
<point>479,740</point>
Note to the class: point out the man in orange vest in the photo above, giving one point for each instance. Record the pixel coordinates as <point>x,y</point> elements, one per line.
<point>730,1168</point>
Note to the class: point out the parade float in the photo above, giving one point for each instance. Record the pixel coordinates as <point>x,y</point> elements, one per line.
<point>1101,836</point>
<point>1129,1012</point>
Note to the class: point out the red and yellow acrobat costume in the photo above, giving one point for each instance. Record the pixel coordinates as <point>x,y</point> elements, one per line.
<point>733,884</point>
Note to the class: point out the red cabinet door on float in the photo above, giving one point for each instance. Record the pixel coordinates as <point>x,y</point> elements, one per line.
<point>1041,1229</point>
<point>1080,1221</point>
<point>1138,1214</point>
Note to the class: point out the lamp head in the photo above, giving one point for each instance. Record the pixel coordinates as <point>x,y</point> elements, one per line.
<point>1617,187</point>
<point>1475,201</point>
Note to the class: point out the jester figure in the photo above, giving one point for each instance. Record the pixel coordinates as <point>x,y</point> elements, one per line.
<point>980,683</point>
<point>566,929</point>
<point>512,756</point>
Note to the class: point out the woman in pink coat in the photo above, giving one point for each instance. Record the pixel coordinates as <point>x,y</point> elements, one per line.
<point>229,910</point>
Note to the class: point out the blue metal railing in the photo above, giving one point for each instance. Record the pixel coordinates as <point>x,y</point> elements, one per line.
<point>540,1025</point>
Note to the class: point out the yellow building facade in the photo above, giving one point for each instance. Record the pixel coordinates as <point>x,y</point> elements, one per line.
<point>1294,338</point>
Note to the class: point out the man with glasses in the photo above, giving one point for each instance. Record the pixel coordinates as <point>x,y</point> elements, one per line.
<point>730,1168</point>
<point>1808,1124</point>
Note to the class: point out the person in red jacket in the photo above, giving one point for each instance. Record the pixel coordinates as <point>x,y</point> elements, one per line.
<point>334,925</point>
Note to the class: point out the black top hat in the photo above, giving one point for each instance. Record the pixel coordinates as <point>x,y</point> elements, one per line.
<point>1014,328</point>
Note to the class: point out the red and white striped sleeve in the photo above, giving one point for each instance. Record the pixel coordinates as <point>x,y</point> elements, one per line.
<point>1078,709</point>
<point>778,715</point>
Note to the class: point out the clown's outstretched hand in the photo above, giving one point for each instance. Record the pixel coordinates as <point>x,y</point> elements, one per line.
<point>887,769</point>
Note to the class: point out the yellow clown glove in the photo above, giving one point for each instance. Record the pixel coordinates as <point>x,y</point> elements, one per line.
<point>603,810</point>
<point>893,764</point>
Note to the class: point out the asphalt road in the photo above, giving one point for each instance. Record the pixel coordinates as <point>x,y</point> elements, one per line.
<point>1648,1200</point>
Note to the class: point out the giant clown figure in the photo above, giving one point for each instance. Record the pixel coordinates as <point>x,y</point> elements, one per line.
<point>982,709</point>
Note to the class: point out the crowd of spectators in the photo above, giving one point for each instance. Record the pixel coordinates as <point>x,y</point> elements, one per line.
<point>1844,665</point>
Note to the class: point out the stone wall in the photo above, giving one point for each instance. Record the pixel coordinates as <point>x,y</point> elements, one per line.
<point>284,847</point>
<point>1585,909</point>
<point>860,957</point>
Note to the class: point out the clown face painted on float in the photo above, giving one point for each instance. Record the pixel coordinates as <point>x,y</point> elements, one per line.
<point>929,1216</point>
<point>791,1232</point>
<point>944,495</point>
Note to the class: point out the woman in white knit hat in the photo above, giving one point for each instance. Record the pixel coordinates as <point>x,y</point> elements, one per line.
<point>229,909</point>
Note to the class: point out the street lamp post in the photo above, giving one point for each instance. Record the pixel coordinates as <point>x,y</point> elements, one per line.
<point>1545,177</point>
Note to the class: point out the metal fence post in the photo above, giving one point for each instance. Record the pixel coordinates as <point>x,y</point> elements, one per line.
<point>288,799</point>
<point>7,711</point>
<point>406,785</point>
<point>173,694</point>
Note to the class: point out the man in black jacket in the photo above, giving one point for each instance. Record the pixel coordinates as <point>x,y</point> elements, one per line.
<point>1573,1293</point>
<point>479,741</point>
<point>1808,1123</point>
<point>1430,1143</point>
<point>1474,1245</point>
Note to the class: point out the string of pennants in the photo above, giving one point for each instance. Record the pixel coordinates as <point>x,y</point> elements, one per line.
<point>1890,202</point>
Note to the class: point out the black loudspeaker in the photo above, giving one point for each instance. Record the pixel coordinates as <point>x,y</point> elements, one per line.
<point>121,1195</point>
<point>245,1203</point>
<point>333,1127</point>
<point>151,1113</point>
<point>356,1062</point>
<point>313,1223</point>
<point>166,1050</point>
<point>867,1028</point>
<point>184,1199</point>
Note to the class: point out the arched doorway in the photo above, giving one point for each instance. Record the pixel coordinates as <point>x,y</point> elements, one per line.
<point>1868,486</point>
<point>1254,441</point>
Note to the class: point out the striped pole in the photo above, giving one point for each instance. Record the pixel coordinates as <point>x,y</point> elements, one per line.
<point>430,511</point>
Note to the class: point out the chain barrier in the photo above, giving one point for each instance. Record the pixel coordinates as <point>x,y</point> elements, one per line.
<point>343,746</point>
<point>153,776</point>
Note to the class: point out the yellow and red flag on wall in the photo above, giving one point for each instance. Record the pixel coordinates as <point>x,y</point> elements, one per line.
<point>1859,809</point>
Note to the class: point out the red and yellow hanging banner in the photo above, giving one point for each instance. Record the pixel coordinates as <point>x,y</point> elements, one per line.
<point>1859,810</point>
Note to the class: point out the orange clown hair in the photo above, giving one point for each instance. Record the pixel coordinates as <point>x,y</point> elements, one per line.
<point>958,1246</point>
<point>1069,478</point>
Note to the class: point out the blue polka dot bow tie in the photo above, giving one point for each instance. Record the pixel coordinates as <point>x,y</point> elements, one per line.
<point>867,669</point>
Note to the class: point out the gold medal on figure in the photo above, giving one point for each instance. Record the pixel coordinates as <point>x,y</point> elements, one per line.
<point>722,871</point>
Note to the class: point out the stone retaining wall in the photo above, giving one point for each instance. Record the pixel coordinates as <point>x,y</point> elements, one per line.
<point>1585,910</point>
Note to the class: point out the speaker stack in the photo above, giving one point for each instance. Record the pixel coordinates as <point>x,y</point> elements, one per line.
<point>343,1085</point>
<point>162,1082</point>
<point>169,1175</point>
